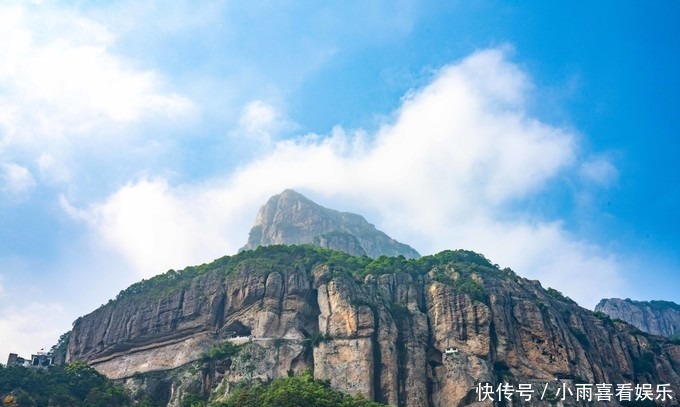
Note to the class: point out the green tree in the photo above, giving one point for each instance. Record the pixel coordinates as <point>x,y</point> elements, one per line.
<point>74,385</point>
<point>302,390</point>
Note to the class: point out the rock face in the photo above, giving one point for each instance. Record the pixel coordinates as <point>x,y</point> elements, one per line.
<point>290,218</point>
<point>654,317</point>
<point>414,333</point>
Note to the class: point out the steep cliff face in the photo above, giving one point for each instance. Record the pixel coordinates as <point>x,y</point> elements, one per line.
<point>379,328</point>
<point>290,218</point>
<point>654,317</point>
<point>171,320</point>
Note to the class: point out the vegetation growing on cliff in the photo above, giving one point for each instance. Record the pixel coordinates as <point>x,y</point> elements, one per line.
<point>655,305</point>
<point>265,260</point>
<point>224,350</point>
<point>302,390</point>
<point>74,385</point>
<point>559,296</point>
<point>580,336</point>
<point>644,363</point>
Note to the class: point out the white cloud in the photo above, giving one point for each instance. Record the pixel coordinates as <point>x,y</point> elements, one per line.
<point>262,122</point>
<point>16,180</point>
<point>62,86</point>
<point>600,171</point>
<point>30,327</point>
<point>258,116</point>
<point>152,224</point>
<point>545,251</point>
<point>444,174</point>
<point>53,170</point>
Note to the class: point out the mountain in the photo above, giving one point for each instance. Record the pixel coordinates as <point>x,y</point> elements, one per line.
<point>402,330</point>
<point>407,332</point>
<point>290,218</point>
<point>654,317</point>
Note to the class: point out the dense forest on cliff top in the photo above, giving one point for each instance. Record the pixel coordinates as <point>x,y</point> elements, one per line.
<point>268,259</point>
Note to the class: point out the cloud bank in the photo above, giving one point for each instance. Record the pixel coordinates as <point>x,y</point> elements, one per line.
<point>449,170</point>
<point>66,94</point>
<point>65,97</point>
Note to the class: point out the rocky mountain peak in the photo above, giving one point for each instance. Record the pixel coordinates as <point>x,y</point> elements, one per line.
<point>291,218</point>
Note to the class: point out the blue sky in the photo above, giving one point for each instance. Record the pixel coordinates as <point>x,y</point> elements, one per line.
<point>141,136</point>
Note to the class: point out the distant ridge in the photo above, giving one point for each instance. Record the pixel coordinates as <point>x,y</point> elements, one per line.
<point>291,218</point>
<point>654,317</point>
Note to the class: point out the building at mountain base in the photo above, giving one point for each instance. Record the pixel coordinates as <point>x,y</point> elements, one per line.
<point>39,360</point>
